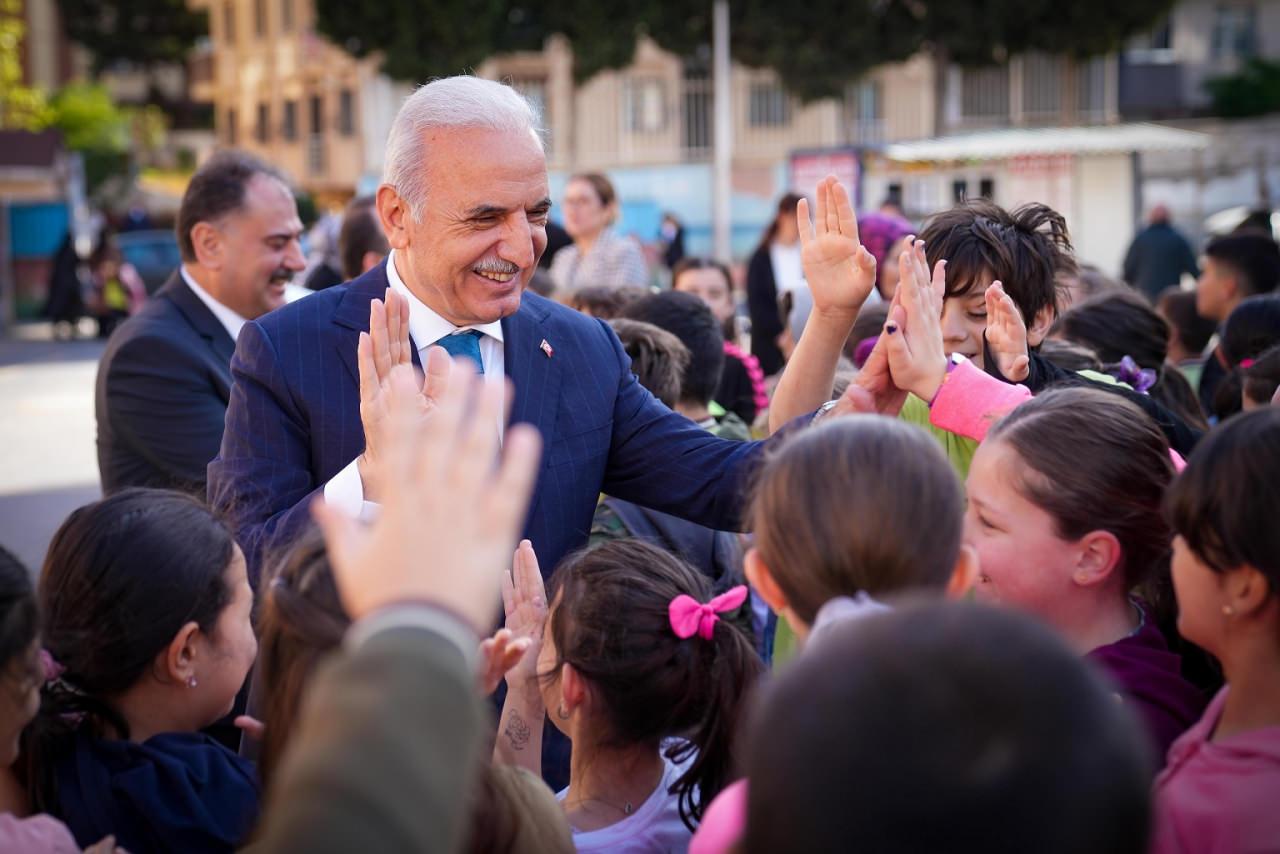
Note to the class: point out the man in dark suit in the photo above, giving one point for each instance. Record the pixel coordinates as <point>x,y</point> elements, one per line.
<point>464,205</point>
<point>165,377</point>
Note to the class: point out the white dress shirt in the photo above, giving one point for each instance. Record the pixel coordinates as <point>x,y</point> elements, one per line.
<point>231,321</point>
<point>345,490</point>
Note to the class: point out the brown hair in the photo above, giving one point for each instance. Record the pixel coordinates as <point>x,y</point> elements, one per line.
<point>603,301</point>
<point>1095,462</point>
<point>694,262</point>
<point>610,620</point>
<point>601,184</point>
<point>658,358</point>
<point>515,813</point>
<point>786,207</point>
<point>838,510</point>
<point>361,233</point>
<point>1028,249</point>
<point>301,621</point>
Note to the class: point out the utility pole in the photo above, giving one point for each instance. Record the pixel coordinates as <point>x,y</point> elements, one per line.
<point>723,141</point>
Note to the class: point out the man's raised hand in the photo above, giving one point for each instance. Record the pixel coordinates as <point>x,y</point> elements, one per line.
<point>382,348</point>
<point>450,517</point>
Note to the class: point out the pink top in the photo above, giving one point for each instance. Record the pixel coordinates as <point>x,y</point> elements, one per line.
<point>969,401</point>
<point>40,834</point>
<point>723,822</point>
<point>1219,797</point>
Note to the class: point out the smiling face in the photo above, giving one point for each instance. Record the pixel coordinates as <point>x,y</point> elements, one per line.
<point>1022,560</point>
<point>260,249</point>
<point>483,226</point>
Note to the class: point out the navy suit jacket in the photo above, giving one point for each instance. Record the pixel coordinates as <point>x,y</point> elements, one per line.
<point>162,390</point>
<point>294,422</point>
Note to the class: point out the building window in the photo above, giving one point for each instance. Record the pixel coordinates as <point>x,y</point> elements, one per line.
<point>315,139</point>
<point>291,121</point>
<point>260,18</point>
<point>346,112</point>
<point>264,123</point>
<point>231,126</point>
<point>1154,46</point>
<point>534,90</point>
<point>697,107</point>
<point>959,190</point>
<point>768,106</point>
<point>1234,26</point>
<point>229,23</point>
<point>645,103</point>
<point>317,114</point>
<point>987,188</point>
<point>864,112</point>
<point>1042,84</point>
<point>1091,88</point>
<point>286,15</point>
<point>984,93</point>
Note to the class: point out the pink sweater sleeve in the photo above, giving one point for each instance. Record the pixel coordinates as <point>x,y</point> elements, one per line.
<point>40,834</point>
<point>970,401</point>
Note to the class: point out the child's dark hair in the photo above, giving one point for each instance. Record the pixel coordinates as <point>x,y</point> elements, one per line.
<point>1095,462</point>
<point>1252,257</point>
<point>658,358</point>
<point>1262,377</point>
<point>908,731</point>
<point>1069,355</point>
<point>837,509</point>
<point>1223,503</point>
<point>1179,309</point>
<point>1122,323</point>
<point>301,620</point>
<point>1028,249</point>
<point>603,301</point>
<point>122,576</point>
<point>690,319</point>
<point>19,619</point>
<point>610,619</point>
<point>1251,329</point>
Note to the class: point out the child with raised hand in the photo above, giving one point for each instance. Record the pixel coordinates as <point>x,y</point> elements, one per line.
<point>1218,791</point>
<point>637,667</point>
<point>146,607</point>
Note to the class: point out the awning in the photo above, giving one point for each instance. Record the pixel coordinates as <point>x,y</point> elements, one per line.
<point>1024,142</point>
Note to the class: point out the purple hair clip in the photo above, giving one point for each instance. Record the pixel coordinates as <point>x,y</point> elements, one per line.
<point>1139,379</point>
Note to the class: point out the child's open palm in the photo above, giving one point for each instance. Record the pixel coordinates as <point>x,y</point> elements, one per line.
<point>1007,334</point>
<point>838,268</point>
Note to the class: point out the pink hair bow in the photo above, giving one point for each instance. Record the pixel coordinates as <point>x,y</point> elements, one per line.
<point>690,617</point>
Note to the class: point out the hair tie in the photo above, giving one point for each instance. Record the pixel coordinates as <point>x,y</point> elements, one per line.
<point>52,669</point>
<point>1246,364</point>
<point>690,617</point>
<point>1139,379</point>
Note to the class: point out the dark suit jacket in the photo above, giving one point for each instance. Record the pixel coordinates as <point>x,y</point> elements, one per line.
<point>294,422</point>
<point>386,752</point>
<point>162,392</point>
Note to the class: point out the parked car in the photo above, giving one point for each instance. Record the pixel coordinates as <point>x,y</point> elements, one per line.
<point>154,254</point>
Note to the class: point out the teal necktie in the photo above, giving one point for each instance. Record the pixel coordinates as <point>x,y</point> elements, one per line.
<point>464,343</point>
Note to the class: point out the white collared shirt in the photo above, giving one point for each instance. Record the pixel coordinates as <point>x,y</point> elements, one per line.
<point>230,321</point>
<point>345,490</point>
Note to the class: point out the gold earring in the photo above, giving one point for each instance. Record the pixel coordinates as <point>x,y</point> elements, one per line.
<point>1228,611</point>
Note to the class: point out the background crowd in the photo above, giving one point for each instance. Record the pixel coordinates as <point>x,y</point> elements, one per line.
<point>916,536</point>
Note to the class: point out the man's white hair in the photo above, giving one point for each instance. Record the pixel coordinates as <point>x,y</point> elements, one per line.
<point>449,102</point>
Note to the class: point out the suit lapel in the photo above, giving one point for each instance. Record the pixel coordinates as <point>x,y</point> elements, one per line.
<point>534,373</point>
<point>201,320</point>
<point>352,314</point>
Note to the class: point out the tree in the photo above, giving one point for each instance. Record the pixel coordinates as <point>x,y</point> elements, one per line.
<point>141,33</point>
<point>817,48</point>
<point>21,107</point>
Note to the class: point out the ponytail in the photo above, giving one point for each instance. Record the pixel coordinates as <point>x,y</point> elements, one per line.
<point>732,669</point>
<point>612,621</point>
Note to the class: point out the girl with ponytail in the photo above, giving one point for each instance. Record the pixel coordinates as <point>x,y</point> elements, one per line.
<point>640,669</point>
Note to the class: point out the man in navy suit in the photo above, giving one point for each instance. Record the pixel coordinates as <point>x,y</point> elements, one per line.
<point>165,377</point>
<point>464,205</point>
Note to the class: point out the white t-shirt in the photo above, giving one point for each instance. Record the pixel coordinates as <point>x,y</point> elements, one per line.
<point>654,828</point>
<point>788,271</point>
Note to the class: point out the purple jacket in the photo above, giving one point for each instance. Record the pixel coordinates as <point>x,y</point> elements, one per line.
<point>1148,676</point>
